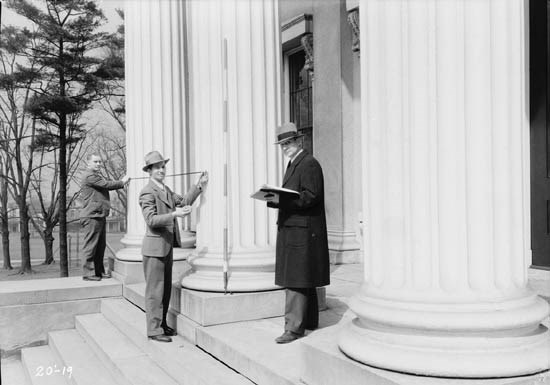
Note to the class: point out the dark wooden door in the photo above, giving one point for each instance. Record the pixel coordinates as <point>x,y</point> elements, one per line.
<point>539,63</point>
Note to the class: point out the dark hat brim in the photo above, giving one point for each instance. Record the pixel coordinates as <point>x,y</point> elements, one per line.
<point>146,167</point>
<point>293,136</point>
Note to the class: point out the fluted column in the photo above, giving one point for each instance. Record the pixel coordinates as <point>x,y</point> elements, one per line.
<point>446,200</point>
<point>155,103</point>
<point>251,30</point>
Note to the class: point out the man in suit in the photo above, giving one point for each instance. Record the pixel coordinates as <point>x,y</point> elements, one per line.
<point>161,208</point>
<point>302,259</point>
<point>95,194</point>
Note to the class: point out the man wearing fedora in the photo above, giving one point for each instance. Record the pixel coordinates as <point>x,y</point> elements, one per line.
<point>161,208</point>
<point>302,259</point>
<point>95,195</point>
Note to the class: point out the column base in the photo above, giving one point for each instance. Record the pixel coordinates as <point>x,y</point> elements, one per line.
<point>238,282</point>
<point>345,257</point>
<point>132,254</point>
<point>128,272</point>
<point>325,364</point>
<point>207,308</point>
<point>247,272</point>
<point>467,340</point>
<point>188,239</point>
<point>128,267</point>
<point>344,247</point>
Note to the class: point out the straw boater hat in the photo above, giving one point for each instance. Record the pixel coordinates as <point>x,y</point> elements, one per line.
<point>287,131</point>
<point>152,158</point>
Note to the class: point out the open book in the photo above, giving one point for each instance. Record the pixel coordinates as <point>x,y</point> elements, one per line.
<point>268,192</point>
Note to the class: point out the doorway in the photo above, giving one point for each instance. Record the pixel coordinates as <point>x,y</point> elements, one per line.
<point>539,89</point>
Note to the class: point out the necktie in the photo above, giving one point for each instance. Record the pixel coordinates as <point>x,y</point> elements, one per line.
<point>286,172</point>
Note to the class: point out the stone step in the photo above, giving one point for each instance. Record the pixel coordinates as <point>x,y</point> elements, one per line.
<point>42,368</point>
<point>13,372</point>
<point>126,362</point>
<point>181,359</point>
<point>35,291</point>
<point>249,348</point>
<point>135,293</point>
<point>75,354</point>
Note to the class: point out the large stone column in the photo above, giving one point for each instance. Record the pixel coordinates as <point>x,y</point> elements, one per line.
<point>253,97</point>
<point>334,129</point>
<point>155,103</point>
<point>446,200</point>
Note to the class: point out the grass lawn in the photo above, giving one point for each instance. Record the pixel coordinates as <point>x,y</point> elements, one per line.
<point>38,255</point>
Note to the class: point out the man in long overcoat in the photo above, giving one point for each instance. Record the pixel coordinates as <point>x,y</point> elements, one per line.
<point>302,258</point>
<point>95,196</point>
<point>160,207</point>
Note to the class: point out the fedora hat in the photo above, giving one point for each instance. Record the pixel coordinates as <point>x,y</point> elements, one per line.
<point>152,158</point>
<point>287,131</point>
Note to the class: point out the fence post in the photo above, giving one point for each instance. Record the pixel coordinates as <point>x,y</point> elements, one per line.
<point>69,239</point>
<point>78,244</point>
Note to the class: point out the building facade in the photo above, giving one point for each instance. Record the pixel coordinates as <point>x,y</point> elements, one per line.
<point>429,119</point>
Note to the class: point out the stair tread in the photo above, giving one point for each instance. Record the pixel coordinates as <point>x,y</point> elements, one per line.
<point>42,367</point>
<point>76,354</point>
<point>180,358</point>
<point>13,372</point>
<point>250,346</point>
<point>123,356</point>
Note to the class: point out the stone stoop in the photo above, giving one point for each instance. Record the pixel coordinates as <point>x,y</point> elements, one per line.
<point>249,348</point>
<point>246,346</point>
<point>30,309</point>
<point>13,372</point>
<point>73,352</point>
<point>181,359</point>
<point>42,367</point>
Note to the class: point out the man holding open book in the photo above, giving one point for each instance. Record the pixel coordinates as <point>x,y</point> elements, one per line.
<point>302,259</point>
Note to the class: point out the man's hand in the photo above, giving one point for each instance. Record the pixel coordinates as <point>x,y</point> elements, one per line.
<point>273,198</point>
<point>125,179</point>
<point>203,180</point>
<point>181,211</point>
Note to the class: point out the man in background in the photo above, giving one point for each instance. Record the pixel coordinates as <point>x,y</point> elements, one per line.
<point>95,194</point>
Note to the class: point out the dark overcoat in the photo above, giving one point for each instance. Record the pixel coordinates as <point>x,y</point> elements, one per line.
<point>302,258</point>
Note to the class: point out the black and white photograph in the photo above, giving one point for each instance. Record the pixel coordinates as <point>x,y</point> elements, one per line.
<point>275,192</point>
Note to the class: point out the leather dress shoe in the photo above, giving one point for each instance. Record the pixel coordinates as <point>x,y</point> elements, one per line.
<point>160,338</point>
<point>168,331</point>
<point>106,275</point>
<point>287,337</point>
<point>91,278</point>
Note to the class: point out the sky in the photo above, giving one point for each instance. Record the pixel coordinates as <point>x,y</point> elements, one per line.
<point>108,6</point>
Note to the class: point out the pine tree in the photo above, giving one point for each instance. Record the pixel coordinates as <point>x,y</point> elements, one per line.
<point>67,50</point>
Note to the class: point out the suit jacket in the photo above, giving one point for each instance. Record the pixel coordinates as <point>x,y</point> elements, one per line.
<point>162,229</point>
<point>302,258</point>
<point>95,194</point>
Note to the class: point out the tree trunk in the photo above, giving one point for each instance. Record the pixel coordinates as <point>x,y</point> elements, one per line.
<point>25,237</point>
<point>63,255</point>
<point>48,245</point>
<point>6,245</point>
<point>4,224</point>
